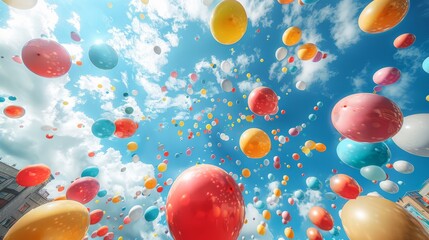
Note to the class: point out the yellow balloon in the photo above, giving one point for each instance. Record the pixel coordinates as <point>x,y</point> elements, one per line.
<point>292,36</point>
<point>261,229</point>
<point>150,183</point>
<point>289,233</point>
<point>59,220</point>
<point>368,217</point>
<point>307,51</point>
<point>266,214</point>
<point>228,22</point>
<point>132,146</point>
<point>246,172</point>
<point>255,143</point>
<point>277,192</point>
<point>310,144</point>
<point>162,167</point>
<point>21,4</point>
<point>382,15</point>
<point>427,98</point>
<point>305,150</point>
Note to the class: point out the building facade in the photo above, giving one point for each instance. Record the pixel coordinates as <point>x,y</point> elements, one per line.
<point>417,203</point>
<point>15,200</point>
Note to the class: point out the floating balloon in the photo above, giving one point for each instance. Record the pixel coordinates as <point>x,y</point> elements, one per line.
<point>314,234</point>
<point>21,4</point>
<point>263,101</point>
<point>368,218</point>
<point>75,36</point>
<point>103,56</point>
<point>404,167</point>
<point>132,146</point>
<point>386,76</point>
<point>301,85</point>
<point>226,85</point>
<point>103,128</point>
<point>90,172</point>
<point>103,230</point>
<point>135,213</point>
<point>382,15</point>
<point>405,40</point>
<point>307,51</point>
<point>330,196</point>
<point>228,22</point>
<point>321,218</point>
<point>414,135</point>
<point>289,233</point>
<point>389,186</point>
<point>366,117</point>
<point>226,66</point>
<point>95,216</point>
<point>425,65</point>
<point>299,194</point>
<point>359,154</point>
<point>125,128</point>
<point>318,56</point>
<point>33,175</point>
<point>373,173</point>
<point>345,186</point>
<point>102,193</point>
<point>281,53</point>
<point>218,215</point>
<point>52,219</point>
<point>291,36</point>
<point>83,190</point>
<point>313,183</point>
<point>46,58</point>
<point>255,143</point>
<point>157,50</point>
<point>13,111</point>
<point>285,1</point>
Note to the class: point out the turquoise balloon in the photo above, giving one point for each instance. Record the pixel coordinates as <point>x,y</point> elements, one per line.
<point>259,205</point>
<point>425,65</point>
<point>299,194</point>
<point>90,172</point>
<point>312,117</point>
<point>313,183</point>
<point>151,213</point>
<point>103,128</point>
<point>309,1</point>
<point>103,56</point>
<point>102,193</point>
<point>320,104</point>
<point>373,173</point>
<point>334,231</point>
<point>360,154</point>
<point>330,196</point>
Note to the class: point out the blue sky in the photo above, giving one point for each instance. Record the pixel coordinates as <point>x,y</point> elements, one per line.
<point>181,30</point>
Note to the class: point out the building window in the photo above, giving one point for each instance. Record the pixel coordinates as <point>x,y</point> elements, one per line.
<point>23,207</point>
<point>2,179</point>
<point>8,222</point>
<point>14,186</point>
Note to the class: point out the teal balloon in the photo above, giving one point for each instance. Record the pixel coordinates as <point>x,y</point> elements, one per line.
<point>103,128</point>
<point>293,69</point>
<point>129,110</point>
<point>373,173</point>
<point>425,65</point>
<point>151,213</point>
<point>320,104</point>
<point>312,117</point>
<point>103,56</point>
<point>259,205</point>
<point>90,172</point>
<point>330,196</point>
<point>313,183</point>
<point>102,193</point>
<point>299,194</point>
<point>334,231</point>
<point>360,154</point>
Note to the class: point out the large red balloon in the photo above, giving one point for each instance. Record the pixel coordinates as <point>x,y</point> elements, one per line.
<point>13,111</point>
<point>314,234</point>
<point>321,218</point>
<point>46,58</point>
<point>345,186</point>
<point>83,190</point>
<point>95,216</point>
<point>263,101</point>
<point>33,175</point>
<point>103,230</point>
<point>205,203</point>
<point>366,117</point>
<point>125,128</point>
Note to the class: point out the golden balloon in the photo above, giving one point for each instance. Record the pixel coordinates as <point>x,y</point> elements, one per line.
<point>382,15</point>
<point>255,143</point>
<point>369,218</point>
<point>228,23</point>
<point>307,51</point>
<point>285,1</point>
<point>292,36</point>
<point>58,220</point>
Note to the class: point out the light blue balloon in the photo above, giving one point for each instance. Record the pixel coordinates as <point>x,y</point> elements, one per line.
<point>90,172</point>
<point>151,213</point>
<point>319,104</point>
<point>425,65</point>
<point>299,194</point>
<point>259,205</point>
<point>102,193</point>
<point>313,183</point>
<point>312,117</point>
<point>270,176</point>
<point>334,231</point>
<point>359,154</point>
<point>103,128</point>
<point>103,56</point>
<point>330,196</point>
<point>373,173</point>
<point>309,1</point>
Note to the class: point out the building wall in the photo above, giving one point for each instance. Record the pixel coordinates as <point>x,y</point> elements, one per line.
<point>413,200</point>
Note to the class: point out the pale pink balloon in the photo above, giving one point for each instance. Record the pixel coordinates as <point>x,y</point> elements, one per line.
<point>75,36</point>
<point>366,117</point>
<point>83,190</point>
<point>194,77</point>
<point>386,76</point>
<point>318,57</point>
<point>17,59</point>
<point>174,74</point>
<point>293,132</point>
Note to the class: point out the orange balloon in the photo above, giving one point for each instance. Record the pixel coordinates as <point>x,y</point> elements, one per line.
<point>291,36</point>
<point>285,1</point>
<point>246,172</point>
<point>103,230</point>
<point>255,143</point>
<point>150,183</point>
<point>314,234</point>
<point>382,15</point>
<point>320,147</point>
<point>307,51</point>
<point>321,218</point>
<point>345,186</point>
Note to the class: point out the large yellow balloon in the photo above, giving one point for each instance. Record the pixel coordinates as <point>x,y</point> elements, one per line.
<point>292,36</point>
<point>21,4</point>
<point>307,51</point>
<point>255,143</point>
<point>368,218</point>
<point>58,220</point>
<point>382,15</point>
<point>228,23</point>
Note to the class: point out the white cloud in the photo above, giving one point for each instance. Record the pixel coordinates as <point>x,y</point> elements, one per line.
<point>94,84</point>
<point>399,92</point>
<point>311,72</point>
<point>312,198</point>
<point>258,11</point>
<point>75,21</point>
<point>243,61</point>
<point>345,31</point>
<point>173,39</point>
<point>360,80</point>
<point>175,84</point>
<point>247,86</point>
<point>254,218</point>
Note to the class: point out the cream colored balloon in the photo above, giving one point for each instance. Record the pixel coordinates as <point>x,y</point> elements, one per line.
<point>21,4</point>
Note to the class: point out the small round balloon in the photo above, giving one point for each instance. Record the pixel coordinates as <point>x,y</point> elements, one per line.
<point>314,234</point>
<point>103,128</point>
<point>151,213</point>
<point>226,85</point>
<point>291,36</point>
<point>414,135</point>
<point>405,40</point>
<point>263,101</point>
<point>386,76</point>
<point>33,175</point>
<point>13,111</point>
<point>373,173</point>
<point>90,172</point>
<point>321,218</point>
<point>403,167</point>
<point>83,190</point>
<point>360,154</point>
<point>255,143</point>
<point>307,51</point>
<point>281,53</point>
<point>425,65</point>
<point>135,213</point>
<point>345,186</point>
<point>103,56</point>
<point>95,216</point>
<point>125,128</point>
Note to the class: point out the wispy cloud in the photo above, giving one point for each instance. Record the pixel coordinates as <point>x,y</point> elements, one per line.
<point>254,218</point>
<point>312,198</point>
<point>345,31</point>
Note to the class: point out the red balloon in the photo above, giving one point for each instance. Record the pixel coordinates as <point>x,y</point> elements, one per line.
<point>95,216</point>
<point>83,190</point>
<point>314,234</point>
<point>405,40</point>
<point>13,111</point>
<point>127,220</point>
<point>263,101</point>
<point>125,128</point>
<point>205,203</point>
<point>33,175</point>
<point>366,117</point>
<point>46,58</point>
<point>321,218</point>
<point>103,230</point>
<point>109,236</point>
<point>345,186</point>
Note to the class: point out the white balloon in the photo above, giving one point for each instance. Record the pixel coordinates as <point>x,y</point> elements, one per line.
<point>226,85</point>
<point>21,4</point>
<point>403,167</point>
<point>389,186</point>
<point>281,53</point>
<point>157,50</point>
<point>301,85</point>
<point>226,66</point>
<point>414,135</point>
<point>135,213</point>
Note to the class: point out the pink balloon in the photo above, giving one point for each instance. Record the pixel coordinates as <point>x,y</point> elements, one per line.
<point>127,220</point>
<point>405,40</point>
<point>46,58</point>
<point>293,132</point>
<point>386,76</point>
<point>366,117</point>
<point>318,57</point>
<point>173,74</point>
<point>263,101</point>
<point>194,77</point>
<point>17,59</point>
<point>75,36</point>
<point>83,190</point>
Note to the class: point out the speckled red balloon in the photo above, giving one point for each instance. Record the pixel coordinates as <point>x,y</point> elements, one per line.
<point>263,101</point>
<point>125,128</point>
<point>83,190</point>
<point>13,111</point>
<point>33,175</point>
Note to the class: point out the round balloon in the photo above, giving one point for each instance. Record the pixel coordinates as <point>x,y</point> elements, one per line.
<point>360,154</point>
<point>103,56</point>
<point>414,135</point>
<point>21,4</point>
<point>228,22</point>
<point>135,213</point>
<point>386,76</point>
<point>318,56</point>
<point>226,85</point>
<point>125,128</point>
<point>54,220</point>
<point>321,218</point>
<point>368,218</point>
<point>281,53</point>
<point>33,175</point>
<point>373,173</point>
<point>405,40</point>
<point>366,117</point>
<point>313,183</point>
<point>216,215</point>
<point>46,58</point>
<point>255,143</point>
<point>291,36</point>
<point>299,194</point>
<point>103,128</point>
<point>263,101</point>
<point>95,216</point>
<point>307,51</point>
<point>425,65</point>
<point>404,167</point>
<point>83,190</point>
<point>225,66</point>
<point>389,186</point>
<point>13,111</point>
<point>345,186</point>
<point>301,85</point>
<point>157,50</point>
<point>151,213</point>
<point>314,234</point>
<point>382,15</point>
<point>90,172</point>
